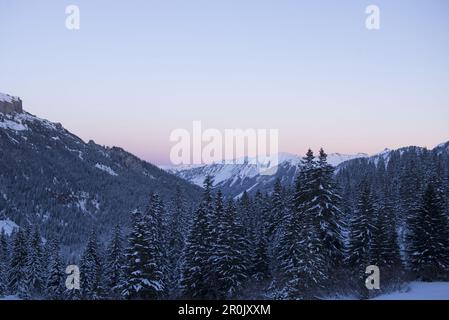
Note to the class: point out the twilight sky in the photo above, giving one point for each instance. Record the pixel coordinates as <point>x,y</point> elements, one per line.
<point>136,70</point>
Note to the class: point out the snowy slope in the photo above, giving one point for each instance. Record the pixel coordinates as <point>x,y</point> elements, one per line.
<point>420,291</point>
<point>8,226</point>
<point>53,179</point>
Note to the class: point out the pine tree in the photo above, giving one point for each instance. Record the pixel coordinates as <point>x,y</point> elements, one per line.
<point>176,242</point>
<point>326,208</point>
<point>249,220</point>
<point>4,262</point>
<point>55,280</point>
<point>91,270</point>
<point>197,272</point>
<point>428,238</point>
<point>18,283</point>
<point>194,281</point>
<point>157,232</point>
<point>362,228</point>
<point>260,264</point>
<point>35,267</point>
<point>229,257</point>
<point>114,264</point>
<point>135,285</point>
<point>144,270</point>
<point>277,213</point>
<point>385,248</point>
<point>301,250</point>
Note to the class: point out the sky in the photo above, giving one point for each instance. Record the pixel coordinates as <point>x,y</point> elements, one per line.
<point>137,70</point>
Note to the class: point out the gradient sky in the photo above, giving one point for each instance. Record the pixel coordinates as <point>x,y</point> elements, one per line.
<point>136,70</point>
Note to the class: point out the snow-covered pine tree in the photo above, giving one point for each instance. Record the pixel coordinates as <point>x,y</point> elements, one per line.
<point>260,263</point>
<point>362,227</point>
<point>18,283</point>
<point>385,245</point>
<point>411,183</point>
<point>247,215</point>
<point>4,263</point>
<point>428,238</point>
<point>229,259</point>
<point>303,262</point>
<point>326,209</point>
<point>218,225</point>
<point>144,278</point>
<point>292,253</point>
<point>55,280</point>
<point>91,270</point>
<point>35,267</point>
<point>211,216</point>
<point>176,242</point>
<point>135,285</point>
<point>196,269</point>
<point>245,211</point>
<point>156,229</point>
<point>277,214</point>
<point>114,264</point>
<point>194,281</point>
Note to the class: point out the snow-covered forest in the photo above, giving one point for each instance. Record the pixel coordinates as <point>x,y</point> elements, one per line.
<point>309,240</point>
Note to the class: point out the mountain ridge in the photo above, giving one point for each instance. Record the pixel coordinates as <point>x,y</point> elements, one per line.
<point>234,179</point>
<point>51,178</point>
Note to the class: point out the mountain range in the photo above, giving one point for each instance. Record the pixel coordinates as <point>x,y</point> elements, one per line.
<point>234,179</point>
<point>52,178</point>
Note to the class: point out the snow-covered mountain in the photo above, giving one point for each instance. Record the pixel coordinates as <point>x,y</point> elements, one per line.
<point>234,178</point>
<point>52,178</point>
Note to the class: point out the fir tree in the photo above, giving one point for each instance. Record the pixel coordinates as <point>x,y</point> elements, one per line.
<point>157,233</point>
<point>194,280</point>
<point>135,285</point>
<point>91,270</point>
<point>277,213</point>
<point>176,241</point>
<point>303,261</point>
<point>144,269</point>
<point>55,280</point>
<point>35,265</point>
<point>4,261</point>
<point>385,246</point>
<point>428,238</point>
<point>114,263</point>
<point>326,208</point>
<point>197,268</point>
<point>18,283</point>
<point>229,257</point>
<point>260,265</point>
<point>362,228</point>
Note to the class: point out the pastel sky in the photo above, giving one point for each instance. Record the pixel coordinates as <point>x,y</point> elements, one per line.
<point>136,70</point>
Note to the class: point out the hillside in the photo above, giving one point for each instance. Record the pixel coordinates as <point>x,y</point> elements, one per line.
<point>51,178</point>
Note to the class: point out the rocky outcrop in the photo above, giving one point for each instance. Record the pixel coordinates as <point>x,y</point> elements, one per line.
<point>9,104</point>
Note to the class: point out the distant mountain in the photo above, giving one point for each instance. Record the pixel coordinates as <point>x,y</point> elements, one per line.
<point>51,178</point>
<point>387,153</point>
<point>234,179</point>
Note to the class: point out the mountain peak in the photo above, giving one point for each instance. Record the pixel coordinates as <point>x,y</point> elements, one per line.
<point>10,104</point>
